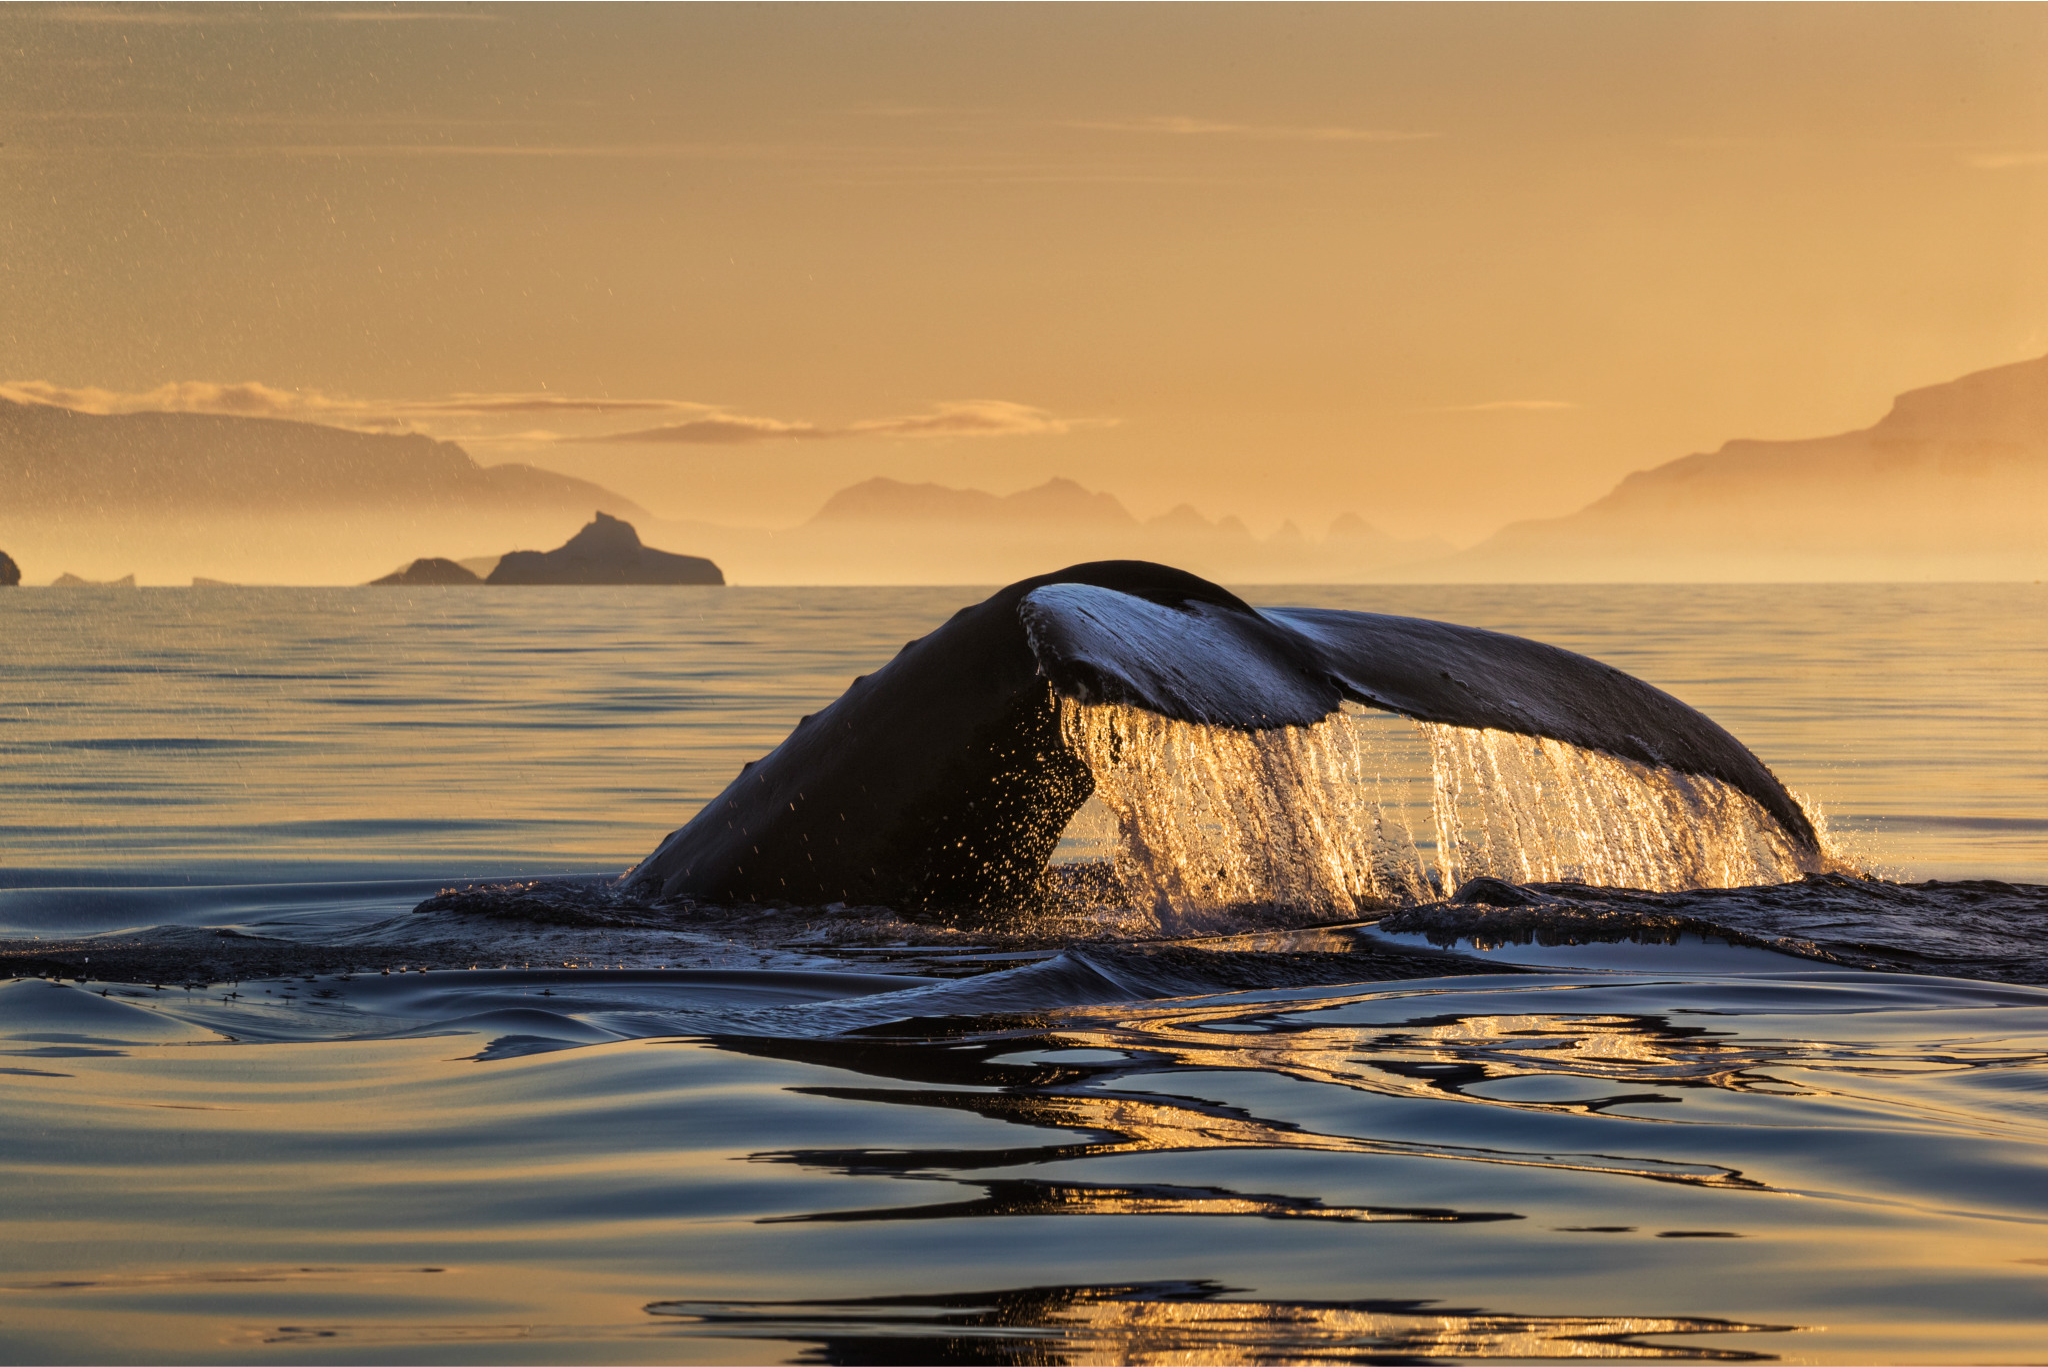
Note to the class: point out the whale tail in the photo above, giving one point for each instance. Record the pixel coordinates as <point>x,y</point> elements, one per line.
<point>946,777</point>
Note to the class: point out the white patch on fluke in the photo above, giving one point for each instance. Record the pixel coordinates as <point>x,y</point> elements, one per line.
<point>1195,659</point>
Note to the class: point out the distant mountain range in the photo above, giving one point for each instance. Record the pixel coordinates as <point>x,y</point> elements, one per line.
<point>934,534</point>
<point>1952,483</point>
<point>1057,502</point>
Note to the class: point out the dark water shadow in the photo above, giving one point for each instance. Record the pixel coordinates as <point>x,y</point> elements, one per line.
<point>1013,1196</point>
<point>1974,928</point>
<point>1196,1320</point>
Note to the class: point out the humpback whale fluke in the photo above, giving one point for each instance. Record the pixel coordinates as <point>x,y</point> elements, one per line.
<point>943,779</point>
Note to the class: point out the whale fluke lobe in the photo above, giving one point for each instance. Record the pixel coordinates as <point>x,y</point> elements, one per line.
<point>945,779</point>
<point>1488,681</point>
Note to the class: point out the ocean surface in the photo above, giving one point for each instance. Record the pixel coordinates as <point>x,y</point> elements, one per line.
<point>767,1139</point>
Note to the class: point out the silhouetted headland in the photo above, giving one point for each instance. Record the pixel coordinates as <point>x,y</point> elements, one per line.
<point>10,573</point>
<point>1951,483</point>
<point>606,551</point>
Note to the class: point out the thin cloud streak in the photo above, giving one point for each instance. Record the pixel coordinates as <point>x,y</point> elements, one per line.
<point>481,404</point>
<point>895,163</point>
<point>254,399</point>
<point>821,165</point>
<point>2005,161</point>
<point>183,16</point>
<point>1506,406</point>
<point>1181,126</point>
<point>965,418</point>
<point>702,424</point>
<point>248,399</point>
<point>974,120</point>
<point>240,119</point>
<point>367,150</point>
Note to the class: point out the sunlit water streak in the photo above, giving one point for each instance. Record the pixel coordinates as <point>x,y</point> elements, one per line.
<point>1153,1325</point>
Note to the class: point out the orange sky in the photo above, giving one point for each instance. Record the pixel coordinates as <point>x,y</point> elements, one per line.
<point>1442,265</point>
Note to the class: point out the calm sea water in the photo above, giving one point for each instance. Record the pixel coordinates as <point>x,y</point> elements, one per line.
<point>1692,1152</point>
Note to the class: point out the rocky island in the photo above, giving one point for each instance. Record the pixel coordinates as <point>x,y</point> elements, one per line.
<point>606,551</point>
<point>428,569</point>
<point>68,580</point>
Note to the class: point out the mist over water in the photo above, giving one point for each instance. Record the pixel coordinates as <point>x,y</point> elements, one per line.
<point>819,1134</point>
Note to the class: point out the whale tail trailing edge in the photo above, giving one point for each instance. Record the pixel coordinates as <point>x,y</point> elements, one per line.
<point>1251,669</point>
<point>944,778</point>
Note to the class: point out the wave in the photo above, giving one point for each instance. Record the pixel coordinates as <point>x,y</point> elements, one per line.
<point>1977,928</point>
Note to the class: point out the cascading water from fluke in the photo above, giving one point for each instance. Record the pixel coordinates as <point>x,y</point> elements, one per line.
<point>1210,817</point>
<point>1324,818</point>
<point>1529,809</point>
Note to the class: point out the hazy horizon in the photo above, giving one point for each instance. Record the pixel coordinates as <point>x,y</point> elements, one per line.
<point>1447,268</point>
<point>1950,484</point>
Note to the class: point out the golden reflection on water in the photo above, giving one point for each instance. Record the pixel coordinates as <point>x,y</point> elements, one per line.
<point>1188,1322</point>
<point>1686,1079</point>
<point>1015,1197</point>
<point>1136,1124</point>
<point>613,1160</point>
